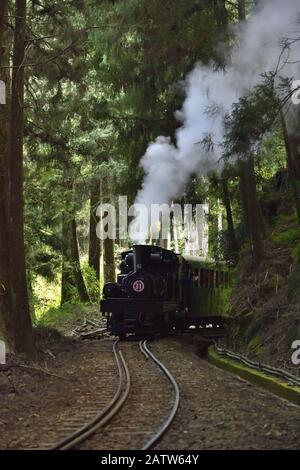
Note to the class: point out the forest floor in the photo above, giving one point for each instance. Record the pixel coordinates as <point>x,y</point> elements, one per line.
<point>217,409</point>
<point>37,397</point>
<point>265,304</point>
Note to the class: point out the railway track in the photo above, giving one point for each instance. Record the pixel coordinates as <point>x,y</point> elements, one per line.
<point>92,431</point>
<point>166,424</point>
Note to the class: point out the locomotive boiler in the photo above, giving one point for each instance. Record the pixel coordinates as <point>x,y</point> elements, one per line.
<point>159,291</point>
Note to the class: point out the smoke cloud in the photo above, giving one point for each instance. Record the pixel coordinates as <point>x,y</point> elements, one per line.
<point>168,167</point>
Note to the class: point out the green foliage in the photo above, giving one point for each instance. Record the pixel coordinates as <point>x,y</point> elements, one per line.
<point>91,282</point>
<point>60,315</point>
<point>45,294</point>
<point>296,253</point>
<point>107,81</point>
<point>255,344</point>
<point>287,237</point>
<point>271,154</point>
<point>250,119</point>
<point>252,333</point>
<point>105,84</point>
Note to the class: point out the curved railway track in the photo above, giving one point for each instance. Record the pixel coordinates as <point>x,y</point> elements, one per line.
<point>101,420</point>
<point>159,433</point>
<point>104,416</point>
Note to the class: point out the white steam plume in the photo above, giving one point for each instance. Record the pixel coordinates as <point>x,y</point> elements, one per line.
<point>168,167</point>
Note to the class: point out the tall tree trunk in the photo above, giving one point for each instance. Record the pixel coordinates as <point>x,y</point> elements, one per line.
<point>67,278</point>
<point>251,209</point>
<point>20,307</point>
<point>109,267</point>
<point>79,281</point>
<point>72,282</point>
<point>94,242</point>
<point>221,14</point>
<point>202,227</point>
<point>255,221</point>
<point>108,245</point>
<point>291,165</point>
<point>232,241</point>
<point>243,185</point>
<point>163,242</point>
<point>294,143</point>
<point>6,320</point>
<point>3,10</point>
<point>242,10</point>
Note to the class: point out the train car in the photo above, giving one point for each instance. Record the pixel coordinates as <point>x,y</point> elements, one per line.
<point>159,292</point>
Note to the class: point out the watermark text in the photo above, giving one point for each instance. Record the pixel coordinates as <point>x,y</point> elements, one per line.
<point>2,92</point>
<point>154,221</point>
<point>296,353</point>
<point>2,352</point>
<point>296,92</point>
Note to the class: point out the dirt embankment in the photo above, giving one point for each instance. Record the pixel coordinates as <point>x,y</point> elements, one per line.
<point>265,303</point>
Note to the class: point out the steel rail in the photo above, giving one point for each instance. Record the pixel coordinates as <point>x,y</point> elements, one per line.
<point>155,438</point>
<point>258,365</point>
<point>107,413</point>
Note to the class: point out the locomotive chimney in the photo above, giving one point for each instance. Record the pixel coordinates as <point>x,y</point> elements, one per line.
<point>141,255</point>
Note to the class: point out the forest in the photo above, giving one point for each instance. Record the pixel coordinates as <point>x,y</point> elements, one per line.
<point>149,227</point>
<point>86,86</point>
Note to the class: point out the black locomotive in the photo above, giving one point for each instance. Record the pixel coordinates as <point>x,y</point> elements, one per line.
<point>159,291</point>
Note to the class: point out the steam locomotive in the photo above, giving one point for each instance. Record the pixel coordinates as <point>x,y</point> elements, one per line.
<point>159,291</point>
